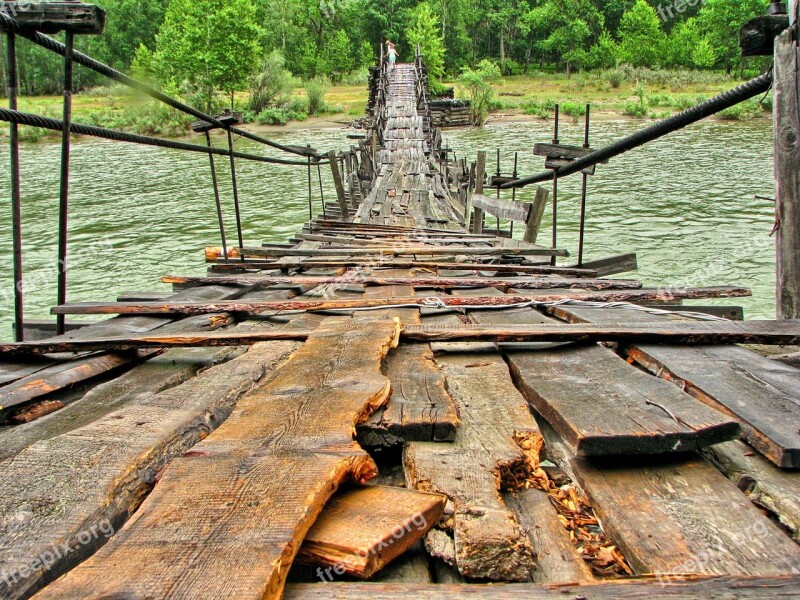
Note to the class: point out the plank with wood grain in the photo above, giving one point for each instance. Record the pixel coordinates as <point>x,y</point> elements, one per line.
<point>255,307</point>
<point>97,475</point>
<point>689,588</point>
<point>540,283</point>
<point>389,251</point>
<point>767,486</point>
<point>227,518</point>
<point>680,515</point>
<point>485,458</point>
<point>764,395</point>
<point>362,530</point>
<point>599,403</point>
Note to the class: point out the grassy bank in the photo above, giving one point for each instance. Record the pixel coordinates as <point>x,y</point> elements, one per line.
<point>643,95</point>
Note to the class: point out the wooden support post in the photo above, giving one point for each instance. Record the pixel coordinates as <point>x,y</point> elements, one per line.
<point>534,222</point>
<point>337,181</point>
<point>480,170</point>
<point>787,170</point>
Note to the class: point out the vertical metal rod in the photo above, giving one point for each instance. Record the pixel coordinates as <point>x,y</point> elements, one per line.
<point>321,192</point>
<point>217,199</point>
<point>514,191</point>
<point>584,187</point>
<point>555,188</point>
<point>63,204</point>
<point>235,192</point>
<point>310,207</point>
<point>497,232</point>
<point>16,202</point>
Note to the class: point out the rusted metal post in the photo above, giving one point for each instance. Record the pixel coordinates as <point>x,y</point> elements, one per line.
<point>16,203</point>
<point>235,190</point>
<point>63,204</point>
<point>584,186</point>
<point>310,207</point>
<point>217,199</point>
<point>555,187</point>
<point>787,168</point>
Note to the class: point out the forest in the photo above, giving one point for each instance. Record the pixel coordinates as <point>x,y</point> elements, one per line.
<point>208,51</point>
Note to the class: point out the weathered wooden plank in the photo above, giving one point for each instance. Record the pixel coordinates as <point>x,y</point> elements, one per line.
<point>405,251</point>
<point>362,530</point>
<point>504,209</point>
<point>601,405</point>
<point>419,409</point>
<point>683,516</point>
<point>255,307</point>
<point>227,519</point>
<point>557,560</point>
<point>93,478</point>
<point>684,332</point>
<point>767,486</point>
<point>534,222</point>
<point>691,588</point>
<point>52,17</point>
<point>762,394</point>
<point>613,265</point>
<point>485,458</point>
<point>520,283</point>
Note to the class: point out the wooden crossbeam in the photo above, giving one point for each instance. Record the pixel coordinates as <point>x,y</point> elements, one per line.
<point>410,264</point>
<point>686,333</point>
<point>434,282</point>
<point>255,307</point>
<point>388,251</point>
<point>504,209</point>
<point>52,17</point>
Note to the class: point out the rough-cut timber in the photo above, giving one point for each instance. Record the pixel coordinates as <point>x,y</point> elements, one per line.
<point>764,395</point>
<point>406,251</point>
<point>52,17</point>
<point>683,516</point>
<point>601,405</point>
<point>691,588</point>
<point>484,459</point>
<point>419,409</point>
<point>557,560</point>
<point>95,476</point>
<point>255,307</point>
<point>226,520</point>
<point>361,530</point>
<point>776,490</point>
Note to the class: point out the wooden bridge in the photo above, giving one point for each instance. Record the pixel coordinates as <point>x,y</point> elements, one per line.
<point>400,396</point>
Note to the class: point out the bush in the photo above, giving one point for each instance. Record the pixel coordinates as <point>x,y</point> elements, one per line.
<point>636,109</point>
<point>280,116</point>
<point>745,110</point>
<point>538,109</point>
<point>481,93</point>
<point>315,92</point>
<point>573,109</point>
<point>272,85</point>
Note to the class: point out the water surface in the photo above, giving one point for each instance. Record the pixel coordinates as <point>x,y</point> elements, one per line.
<point>685,204</point>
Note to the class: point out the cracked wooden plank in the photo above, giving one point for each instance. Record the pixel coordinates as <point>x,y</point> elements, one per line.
<point>484,459</point>
<point>227,519</point>
<point>56,490</point>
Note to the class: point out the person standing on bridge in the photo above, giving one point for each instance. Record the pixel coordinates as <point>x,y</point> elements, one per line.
<point>391,52</point>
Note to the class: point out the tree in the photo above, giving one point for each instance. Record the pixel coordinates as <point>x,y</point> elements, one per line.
<point>682,42</point>
<point>720,20</point>
<point>478,84</point>
<point>642,43</point>
<point>337,57</point>
<point>208,46</point>
<point>424,30</point>
<point>130,24</point>
<point>605,53</point>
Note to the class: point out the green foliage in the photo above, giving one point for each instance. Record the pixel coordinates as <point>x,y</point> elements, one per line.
<point>745,110</point>
<point>573,109</point>
<point>425,31</point>
<point>478,85</point>
<point>720,20</point>
<point>272,85</point>
<point>615,77</point>
<point>205,46</point>
<point>337,59</point>
<point>704,56</point>
<point>315,92</point>
<point>605,53</point>
<point>642,41</point>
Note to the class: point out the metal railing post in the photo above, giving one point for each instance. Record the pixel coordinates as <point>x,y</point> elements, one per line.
<point>63,205</point>
<point>16,203</point>
<point>235,191</point>
<point>217,199</point>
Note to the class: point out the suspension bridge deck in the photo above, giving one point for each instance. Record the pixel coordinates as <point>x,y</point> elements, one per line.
<point>195,443</point>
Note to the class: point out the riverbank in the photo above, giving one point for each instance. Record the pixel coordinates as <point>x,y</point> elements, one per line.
<point>646,95</point>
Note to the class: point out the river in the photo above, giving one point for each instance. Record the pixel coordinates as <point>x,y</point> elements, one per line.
<point>685,204</point>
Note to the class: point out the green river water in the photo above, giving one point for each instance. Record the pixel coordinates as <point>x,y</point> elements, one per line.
<point>685,204</point>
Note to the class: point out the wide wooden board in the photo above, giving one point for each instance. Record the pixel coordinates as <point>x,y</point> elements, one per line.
<point>227,519</point>
<point>361,530</point>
